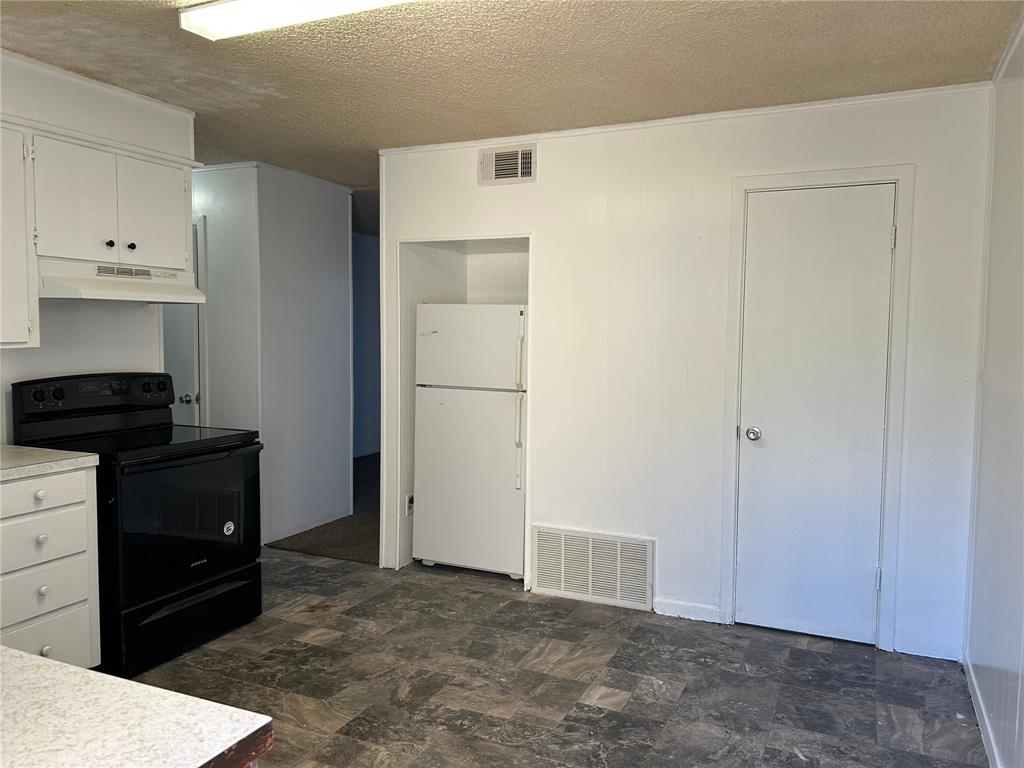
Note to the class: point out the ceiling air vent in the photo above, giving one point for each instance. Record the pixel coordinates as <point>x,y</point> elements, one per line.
<point>507,165</point>
<point>599,567</point>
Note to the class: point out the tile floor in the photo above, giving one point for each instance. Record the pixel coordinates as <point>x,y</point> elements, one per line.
<point>439,667</point>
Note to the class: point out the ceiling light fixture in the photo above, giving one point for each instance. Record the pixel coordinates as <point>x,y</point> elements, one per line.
<point>231,18</point>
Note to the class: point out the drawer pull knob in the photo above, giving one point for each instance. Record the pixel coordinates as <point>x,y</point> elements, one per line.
<point>44,590</point>
<point>46,650</point>
<point>42,538</point>
<point>41,494</point>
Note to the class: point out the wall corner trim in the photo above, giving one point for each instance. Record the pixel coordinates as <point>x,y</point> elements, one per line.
<point>987,737</point>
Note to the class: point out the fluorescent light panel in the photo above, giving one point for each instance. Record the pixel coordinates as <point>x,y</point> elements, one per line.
<point>231,18</point>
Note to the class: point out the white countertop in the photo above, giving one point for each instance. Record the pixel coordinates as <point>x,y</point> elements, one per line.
<point>18,461</point>
<point>56,715</point>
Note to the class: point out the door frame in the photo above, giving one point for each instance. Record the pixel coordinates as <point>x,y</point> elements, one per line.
<point>899,305</point>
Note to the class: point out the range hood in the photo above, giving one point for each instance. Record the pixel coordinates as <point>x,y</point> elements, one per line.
<point>66,279</point>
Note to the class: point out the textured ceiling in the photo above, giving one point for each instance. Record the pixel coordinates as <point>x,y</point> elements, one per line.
<point>322,97</point>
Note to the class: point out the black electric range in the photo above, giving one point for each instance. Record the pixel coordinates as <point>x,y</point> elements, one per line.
<point>178,511</point>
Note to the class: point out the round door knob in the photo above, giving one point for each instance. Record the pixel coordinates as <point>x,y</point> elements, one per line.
<point>753,433</point>
<point>132,246</point>
<point>46,650</point>
<point>42,538</point>
<point>41,494</point>
<point>44,590</point>
<point>110,243</point>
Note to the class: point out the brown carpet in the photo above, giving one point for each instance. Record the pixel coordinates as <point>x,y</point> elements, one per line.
<point>356,537</point>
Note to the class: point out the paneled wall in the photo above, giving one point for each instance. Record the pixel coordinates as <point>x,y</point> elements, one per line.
<point>995,633</point>
<point>629,295</point>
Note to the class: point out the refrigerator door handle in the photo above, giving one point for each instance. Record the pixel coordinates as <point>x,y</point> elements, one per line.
<point>519,442</point>
<point>519,361</point>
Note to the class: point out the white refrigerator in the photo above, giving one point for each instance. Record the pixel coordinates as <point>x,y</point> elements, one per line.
<point>469,499</point>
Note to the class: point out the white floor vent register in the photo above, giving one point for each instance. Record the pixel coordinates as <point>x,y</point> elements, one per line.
<point>618,570</point>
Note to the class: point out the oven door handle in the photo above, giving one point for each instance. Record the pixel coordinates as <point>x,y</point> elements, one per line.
<point>157,464</point>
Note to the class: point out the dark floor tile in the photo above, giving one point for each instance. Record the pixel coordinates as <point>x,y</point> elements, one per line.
<point>440,666</point>
<point>730,700</point>
<point>345,752</point>
<point>831,713</point>
<point>698,744</point>
<point>590,736</point>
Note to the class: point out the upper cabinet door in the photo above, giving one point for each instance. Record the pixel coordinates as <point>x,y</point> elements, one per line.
<point>154,218</point>
<point>16,272</point>
<point>76,201</point>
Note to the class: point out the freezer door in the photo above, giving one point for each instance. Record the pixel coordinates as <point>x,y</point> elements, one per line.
<point>471,345</point>
<point>469,500</point>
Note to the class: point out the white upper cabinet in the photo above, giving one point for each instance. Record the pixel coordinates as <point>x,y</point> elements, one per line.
<point>154,214</point>
<point>18,297</point>
<point>97,205</point>
<point>76,201</point>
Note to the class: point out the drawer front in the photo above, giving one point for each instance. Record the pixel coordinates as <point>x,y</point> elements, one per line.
<point>42,492</point>
<point>32,539</point>
<point>64,637</point>
<point>42,589</point>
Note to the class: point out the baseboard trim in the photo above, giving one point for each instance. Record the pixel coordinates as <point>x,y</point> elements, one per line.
<point>698,611</point>
<point>983,720</point>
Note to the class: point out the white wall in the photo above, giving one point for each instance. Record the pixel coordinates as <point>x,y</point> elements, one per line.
<point>995,633</point>
<point>365,344</point>
<point>305,352</point>
<point>84,337</point>
<point>629,292</point>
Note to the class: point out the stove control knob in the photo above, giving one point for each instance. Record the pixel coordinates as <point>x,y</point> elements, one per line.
<point>58,394</point>
<point>147,387</point>
<point>161,385</point>
<point>39,395</point>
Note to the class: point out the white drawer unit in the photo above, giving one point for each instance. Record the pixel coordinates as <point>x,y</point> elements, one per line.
<point>49,587</point>
<point>58,636</point>
<point>33,591</point>
<point>42,492</point>
<point>38,537</point>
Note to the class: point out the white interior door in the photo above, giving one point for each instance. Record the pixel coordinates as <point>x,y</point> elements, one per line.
<point>152,205</point>
<point>818,264</point>
<point>14,272</point>
<point>471,345</point>
<point>76,201</point>
<point>469,498</point>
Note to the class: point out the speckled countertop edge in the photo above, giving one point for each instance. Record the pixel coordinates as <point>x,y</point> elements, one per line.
<point>56,714</point>
<point>18,461</point>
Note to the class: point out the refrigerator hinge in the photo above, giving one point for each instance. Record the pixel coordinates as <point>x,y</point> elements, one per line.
<point>878,579</point>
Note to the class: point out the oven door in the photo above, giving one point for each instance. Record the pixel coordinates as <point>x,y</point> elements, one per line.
<point>186,519</point>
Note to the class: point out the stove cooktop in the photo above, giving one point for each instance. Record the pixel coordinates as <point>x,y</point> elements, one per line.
<point>156,442</point>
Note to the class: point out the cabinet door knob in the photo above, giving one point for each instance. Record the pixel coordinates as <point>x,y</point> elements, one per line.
<point>41,494</point>
<point>42,538</point>
<point>132,246</point>
<point>44,590</point>
<point>46,650</point>
<point>110,243</point>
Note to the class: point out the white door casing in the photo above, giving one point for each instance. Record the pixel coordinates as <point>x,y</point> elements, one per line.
<point>818,272</point>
